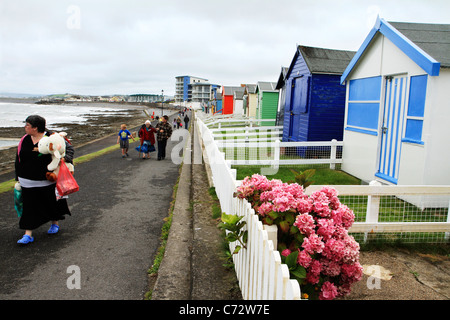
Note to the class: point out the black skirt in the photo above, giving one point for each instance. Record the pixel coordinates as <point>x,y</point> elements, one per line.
<point>40,206</point>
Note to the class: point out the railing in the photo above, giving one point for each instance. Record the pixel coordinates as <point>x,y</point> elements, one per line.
<point>258,268</point>
<point>406,213</point>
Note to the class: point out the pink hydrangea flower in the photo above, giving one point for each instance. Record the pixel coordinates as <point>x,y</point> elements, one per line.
<point>327,251</point>
<point>265,208</point>
<point>313,272</point>
<point>304,205</point>
<point>326,228</point>
<point>328,291</point>
<point>305,223</point>
<point>304,258</point>
<point>286,252</point>
<point>313,244</point>
<point>320,204</point>
<point>352,272</point>
<point>330,268</point>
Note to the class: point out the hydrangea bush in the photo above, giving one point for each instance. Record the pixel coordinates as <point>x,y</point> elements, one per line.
<point>312,234</point>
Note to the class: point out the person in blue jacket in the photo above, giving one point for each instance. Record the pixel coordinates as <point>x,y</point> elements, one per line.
<point>123,137</point>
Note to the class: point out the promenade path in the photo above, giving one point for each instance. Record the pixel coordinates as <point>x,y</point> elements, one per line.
<point>111,237</point>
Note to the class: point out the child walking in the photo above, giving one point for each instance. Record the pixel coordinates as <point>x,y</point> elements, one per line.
<point>123,137</point>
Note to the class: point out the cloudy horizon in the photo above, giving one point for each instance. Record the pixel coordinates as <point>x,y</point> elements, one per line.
<point>135,46</point>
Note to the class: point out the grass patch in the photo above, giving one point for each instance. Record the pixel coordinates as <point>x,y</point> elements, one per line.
<point>216,210</point>
<point>216,214</point>
<point>323,176</point>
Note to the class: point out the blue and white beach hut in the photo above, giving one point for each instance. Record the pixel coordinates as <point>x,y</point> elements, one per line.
<point>397,116</point>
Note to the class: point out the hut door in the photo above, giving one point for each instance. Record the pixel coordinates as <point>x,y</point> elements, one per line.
<point>392,128</point>
<point>298,99</point>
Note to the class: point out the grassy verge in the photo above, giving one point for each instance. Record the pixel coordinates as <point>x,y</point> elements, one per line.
<point>216,214</point>
<point>323,176</point>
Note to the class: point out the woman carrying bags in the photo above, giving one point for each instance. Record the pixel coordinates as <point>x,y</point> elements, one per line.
<point>146,134</point>
<point>40,204</point>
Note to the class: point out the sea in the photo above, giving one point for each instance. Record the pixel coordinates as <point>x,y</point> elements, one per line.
<point>14,114</point>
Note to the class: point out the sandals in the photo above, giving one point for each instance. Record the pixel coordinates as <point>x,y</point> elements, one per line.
<point>26,239</point>
<point>54,228</point>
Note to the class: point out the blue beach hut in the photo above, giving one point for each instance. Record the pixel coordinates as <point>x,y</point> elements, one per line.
<point>315,99</point>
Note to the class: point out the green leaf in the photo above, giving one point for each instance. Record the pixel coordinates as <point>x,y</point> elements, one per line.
<point>273,215</point>
<point>230,218</point>
<point>284,226</point>
<point>245,236</point>
<point>299,272</point>
<point>291,260</point>
<point>231,237</point>
<point>293,230</point>
<point>237,249</point>
<point>267,220</point>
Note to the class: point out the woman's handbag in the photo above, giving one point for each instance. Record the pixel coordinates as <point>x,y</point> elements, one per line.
<point>66,183</point>
<point>18,201</point>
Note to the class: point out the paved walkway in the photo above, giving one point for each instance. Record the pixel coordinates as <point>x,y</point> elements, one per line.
<point>111,237</point>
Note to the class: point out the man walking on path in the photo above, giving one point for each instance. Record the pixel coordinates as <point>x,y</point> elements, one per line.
<point>186,122</point>
<point>164,131</point>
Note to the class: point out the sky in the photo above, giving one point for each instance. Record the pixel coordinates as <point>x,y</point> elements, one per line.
<point>107,47</point>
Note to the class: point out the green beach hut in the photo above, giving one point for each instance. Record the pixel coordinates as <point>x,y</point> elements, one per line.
<point>267,102</point>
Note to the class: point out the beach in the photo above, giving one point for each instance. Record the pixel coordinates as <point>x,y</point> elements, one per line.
<point>93,128</point>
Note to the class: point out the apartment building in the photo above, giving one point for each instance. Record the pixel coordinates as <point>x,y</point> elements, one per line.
<point>193,91</point>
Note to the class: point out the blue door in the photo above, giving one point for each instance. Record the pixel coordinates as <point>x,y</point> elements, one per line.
<point>297,104</point>
<point>392,128</point>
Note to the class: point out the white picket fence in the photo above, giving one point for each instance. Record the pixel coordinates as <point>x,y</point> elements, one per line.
<point>258,268</point>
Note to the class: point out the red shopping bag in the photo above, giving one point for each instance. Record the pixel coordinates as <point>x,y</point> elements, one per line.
<point>66,184</point>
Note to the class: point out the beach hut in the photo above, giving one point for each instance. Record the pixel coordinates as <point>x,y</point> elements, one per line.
<point>250,100</point>
<point>238,102</point>
<point>228,99</point>
<point>315,99</point>
<point>281,86</point>
<point>397,105</point>
<point>216,100</point>
<point>267,105</point>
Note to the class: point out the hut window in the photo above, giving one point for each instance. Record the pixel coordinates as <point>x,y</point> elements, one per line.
<point>416,109</point>
<point>364,105</point>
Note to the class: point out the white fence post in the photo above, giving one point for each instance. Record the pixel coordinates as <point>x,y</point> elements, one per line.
<point>276,156</point>
<point>373,207</point>
<point>333,154</point>
<point>447,234</point>
<point>272,234</point>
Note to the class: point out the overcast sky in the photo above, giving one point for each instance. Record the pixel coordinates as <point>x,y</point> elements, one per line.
<point>101,47</point>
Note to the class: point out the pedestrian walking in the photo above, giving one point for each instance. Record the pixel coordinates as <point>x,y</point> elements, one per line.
<point>123,137</point>
<point>178,122</point>
<point>164,131</point>
<point>40,204</point>
<point>147,136</point>
<point>186,122</point>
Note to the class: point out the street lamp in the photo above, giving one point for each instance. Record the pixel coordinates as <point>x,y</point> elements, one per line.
<point>162,103</point>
